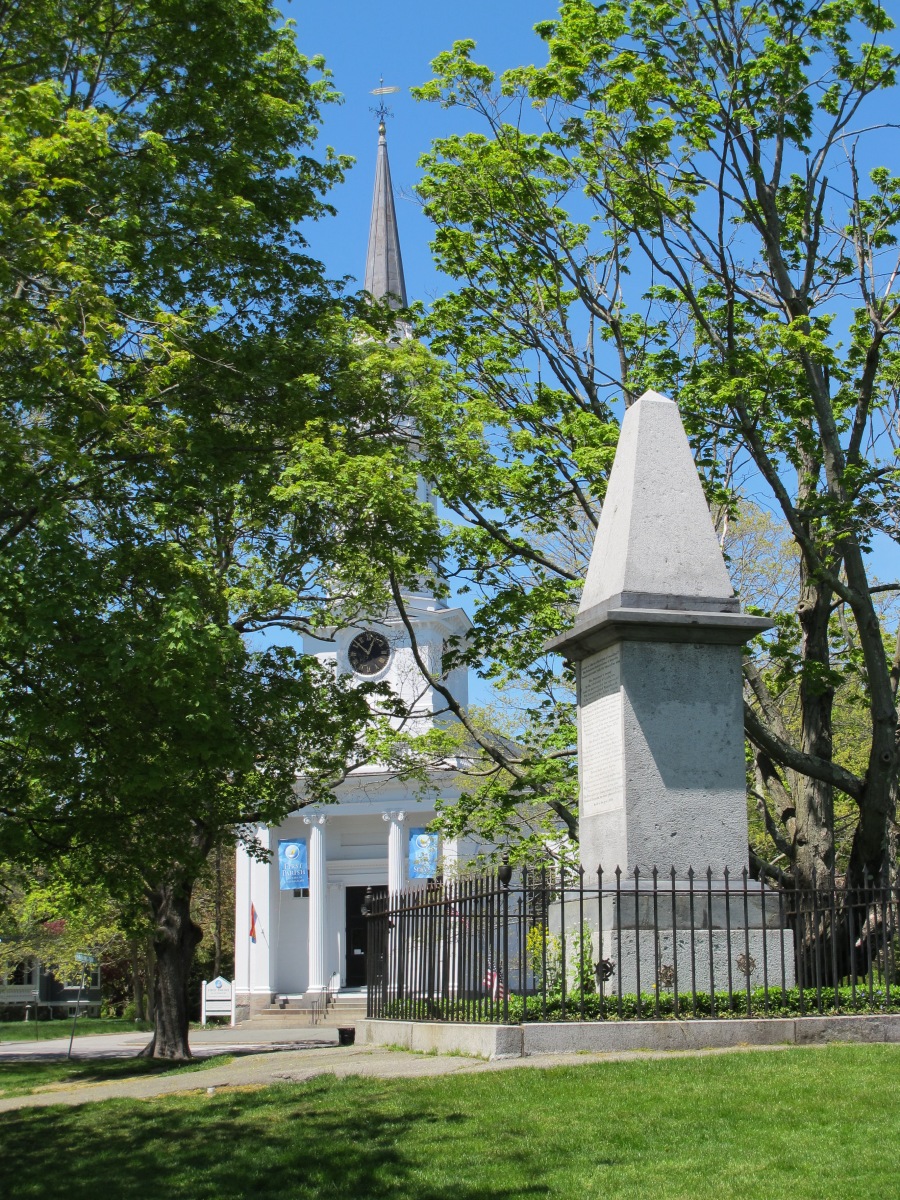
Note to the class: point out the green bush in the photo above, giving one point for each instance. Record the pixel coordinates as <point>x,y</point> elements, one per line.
<point>792,1003</point>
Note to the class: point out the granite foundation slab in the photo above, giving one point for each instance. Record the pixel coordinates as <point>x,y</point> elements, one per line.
<point>482,1041</point>
<point>609,1037</point>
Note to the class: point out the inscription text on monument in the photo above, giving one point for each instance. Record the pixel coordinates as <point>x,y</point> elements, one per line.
<point>602,745</point>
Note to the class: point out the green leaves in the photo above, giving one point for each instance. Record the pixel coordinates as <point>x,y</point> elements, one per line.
<point>667,201</point>
<point>201,441</point>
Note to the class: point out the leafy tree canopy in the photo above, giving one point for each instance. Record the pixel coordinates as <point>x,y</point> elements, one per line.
<point>691,196</point>
<point>200,441</point>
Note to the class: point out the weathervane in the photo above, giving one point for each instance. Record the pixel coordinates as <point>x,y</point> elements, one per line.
<point>382,111</point>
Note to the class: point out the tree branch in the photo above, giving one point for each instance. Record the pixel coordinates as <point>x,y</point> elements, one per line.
<point>489,747</point>
<point>797,760</point>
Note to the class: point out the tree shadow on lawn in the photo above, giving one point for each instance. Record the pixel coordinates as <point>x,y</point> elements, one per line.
<point>325,1138</point>
<point>19,1076</point>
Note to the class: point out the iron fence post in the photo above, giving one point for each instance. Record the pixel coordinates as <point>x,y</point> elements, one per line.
<point>747,959</point>
<point>694,955</point>
<point>619,941</point>
<point>654,875</point>
<point>581,941</point>
<point>709,921</point>
<point>765,944</point>
<point>817,942</point>
<point>562,939</point>
<point>833,939</point>
<point>727,876</point>
<point>505,976</point>
<point>601,967</point>
<point>637,938</point>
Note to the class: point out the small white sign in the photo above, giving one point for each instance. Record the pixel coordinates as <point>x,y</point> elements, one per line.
<point>218,989</point>
<point>217,999</point>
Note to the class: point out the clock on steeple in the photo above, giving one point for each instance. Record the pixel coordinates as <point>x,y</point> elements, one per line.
<point>368,653</point>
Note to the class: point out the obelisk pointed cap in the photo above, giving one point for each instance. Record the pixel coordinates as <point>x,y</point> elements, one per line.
<point>656,546</point>
<point>384,265</point>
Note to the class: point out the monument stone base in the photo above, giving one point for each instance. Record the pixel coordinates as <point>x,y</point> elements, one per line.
<point>766,955</point>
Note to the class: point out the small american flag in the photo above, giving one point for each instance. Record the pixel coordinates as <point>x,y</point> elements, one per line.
<point>493,981</point>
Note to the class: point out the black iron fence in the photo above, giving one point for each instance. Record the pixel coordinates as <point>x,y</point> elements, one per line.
<point>558,945</point>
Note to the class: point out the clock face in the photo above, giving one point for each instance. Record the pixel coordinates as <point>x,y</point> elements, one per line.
<point>369,653</point>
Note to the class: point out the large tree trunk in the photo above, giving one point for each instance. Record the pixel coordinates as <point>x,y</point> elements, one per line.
<point>814,845</point>
<point>175,941</point>
<point>137,981</point>
<point>874,851</point>
<point>871,854</point>
<point>150,979</point>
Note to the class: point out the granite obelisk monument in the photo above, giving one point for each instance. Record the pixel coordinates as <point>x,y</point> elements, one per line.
<point>658,640</point>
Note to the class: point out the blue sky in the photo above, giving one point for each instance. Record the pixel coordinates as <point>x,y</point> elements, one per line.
<point>363,41</point>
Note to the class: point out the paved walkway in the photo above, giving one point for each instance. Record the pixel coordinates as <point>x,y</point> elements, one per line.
<point>204,1043</point>
<point>299,1065</point>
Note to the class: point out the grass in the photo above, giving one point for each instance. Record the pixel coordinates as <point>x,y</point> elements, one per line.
<point>23,1078</point>
<point>432,1053</point>
<point>796,1124</point>
<point>24,1031</point>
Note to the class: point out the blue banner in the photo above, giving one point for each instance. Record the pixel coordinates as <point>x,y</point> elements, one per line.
<point>292,865</point>
<point>423,854</point>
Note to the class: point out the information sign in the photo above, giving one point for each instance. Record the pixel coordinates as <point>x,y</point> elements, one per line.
<point>217,999</point>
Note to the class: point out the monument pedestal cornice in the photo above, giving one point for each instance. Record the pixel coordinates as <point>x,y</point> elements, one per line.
<point>602,626</point>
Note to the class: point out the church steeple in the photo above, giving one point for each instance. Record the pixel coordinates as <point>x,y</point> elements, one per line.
<point>384,266</point>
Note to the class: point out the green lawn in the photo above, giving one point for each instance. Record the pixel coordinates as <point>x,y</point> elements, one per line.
<point>798,1124</point>
<point>21,1031</point>
<point>21,1078</point>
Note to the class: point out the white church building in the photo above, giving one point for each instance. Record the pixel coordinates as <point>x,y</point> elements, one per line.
<point>299,932</point>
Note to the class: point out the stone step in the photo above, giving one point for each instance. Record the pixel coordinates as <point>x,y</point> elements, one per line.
<point>285,1025</point>
<point>303,1010</point>
<point>290,1014</point>
<point>277,1017</point>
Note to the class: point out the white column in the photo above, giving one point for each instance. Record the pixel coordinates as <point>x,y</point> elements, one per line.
<point>395,850</point>
<point>318,902</point>
<point>255,960</point>
<point>451,855</point>
<point>242,941</point>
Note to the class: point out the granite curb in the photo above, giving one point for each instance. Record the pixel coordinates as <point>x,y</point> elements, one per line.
<point>603,1037</point>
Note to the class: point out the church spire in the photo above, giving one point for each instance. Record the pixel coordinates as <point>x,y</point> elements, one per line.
<point>384,266</point>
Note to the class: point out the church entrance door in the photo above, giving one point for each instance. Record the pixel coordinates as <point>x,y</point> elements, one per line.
<point>357,935</point>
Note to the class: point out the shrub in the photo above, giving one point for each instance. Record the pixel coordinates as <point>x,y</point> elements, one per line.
<point>588,1005</point>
